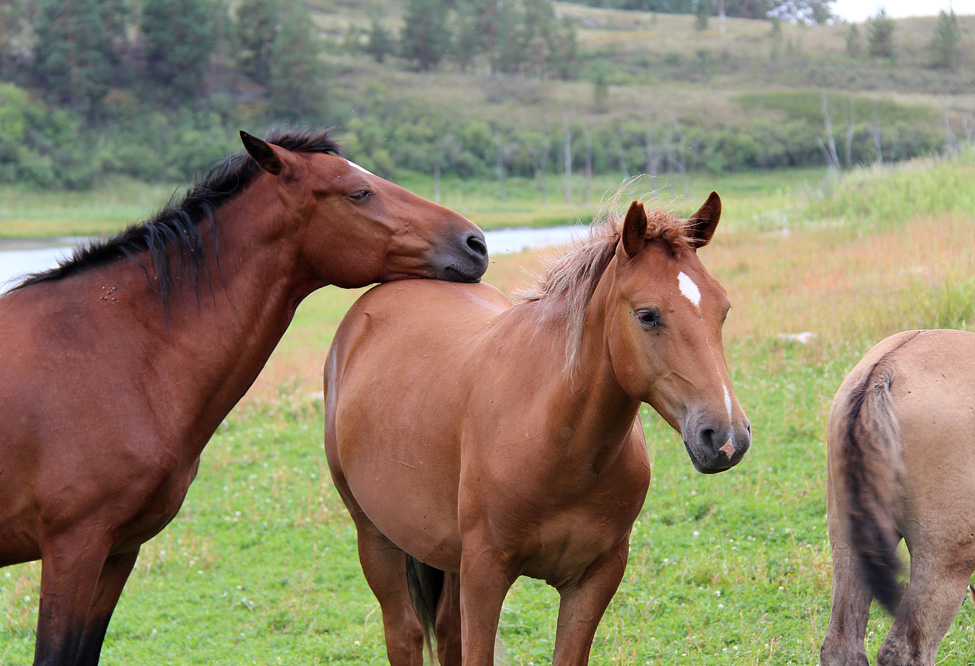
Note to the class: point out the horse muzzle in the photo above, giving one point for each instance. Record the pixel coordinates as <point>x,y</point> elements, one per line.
<point>464,259</point>
<point>715,448</point>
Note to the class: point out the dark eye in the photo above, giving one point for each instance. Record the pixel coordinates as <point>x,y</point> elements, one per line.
<point>361,195</point>
<point>649,318</point>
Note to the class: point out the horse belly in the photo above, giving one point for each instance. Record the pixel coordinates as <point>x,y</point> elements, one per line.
<point>401,470</point>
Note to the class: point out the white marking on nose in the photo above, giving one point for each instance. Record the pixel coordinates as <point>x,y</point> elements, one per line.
<point>689,289</point>
<point>731,429</point>
<point>360,168</point>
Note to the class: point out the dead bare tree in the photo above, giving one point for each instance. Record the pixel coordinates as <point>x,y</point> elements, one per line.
<point>567,158</point>
<point>877,133</point>
<point>829,146</point>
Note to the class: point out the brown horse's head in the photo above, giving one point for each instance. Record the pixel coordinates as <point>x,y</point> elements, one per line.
<point>665,339</point>
<point>364,229</point>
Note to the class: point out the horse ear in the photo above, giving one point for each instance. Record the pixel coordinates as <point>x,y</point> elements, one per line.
<point>634,230</point>
<point>705,221</point>
<point>263,153</point>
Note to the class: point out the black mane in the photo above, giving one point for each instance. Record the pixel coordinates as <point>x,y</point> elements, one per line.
<point>176,227</point>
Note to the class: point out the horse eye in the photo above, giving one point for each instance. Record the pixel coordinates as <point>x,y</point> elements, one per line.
<point>361,195</point>
<point>649,318</point>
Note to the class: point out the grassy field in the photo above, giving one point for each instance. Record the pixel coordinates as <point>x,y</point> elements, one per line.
<point>260,566</point>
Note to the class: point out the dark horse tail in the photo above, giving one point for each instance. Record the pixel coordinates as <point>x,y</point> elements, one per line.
<point>425,584</point>
<point>871,454</point>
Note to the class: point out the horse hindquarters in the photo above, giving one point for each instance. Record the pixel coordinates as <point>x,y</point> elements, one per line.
<point>900,448</point>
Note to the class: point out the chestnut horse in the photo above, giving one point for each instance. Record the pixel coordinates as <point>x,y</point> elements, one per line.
<point>117,366</point>
<point>901,465</point>
<point>489,441</point>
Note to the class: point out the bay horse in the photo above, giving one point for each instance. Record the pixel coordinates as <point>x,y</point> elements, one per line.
<point>901,439</point>
<point>117,366</point>
<point>474,441</point>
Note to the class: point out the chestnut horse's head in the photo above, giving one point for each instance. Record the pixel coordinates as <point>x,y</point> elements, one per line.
<point>665,339</point>
<point>356,228</point>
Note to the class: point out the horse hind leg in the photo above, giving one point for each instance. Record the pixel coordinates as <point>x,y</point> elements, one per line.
<point>448,622</point>
<point>113,577</point>
<point>843,643</point>
<point>933,599</point>
<point>384,566</point>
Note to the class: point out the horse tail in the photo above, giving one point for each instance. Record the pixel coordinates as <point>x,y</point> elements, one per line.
<point>871,455</point>
<point>425,584</point>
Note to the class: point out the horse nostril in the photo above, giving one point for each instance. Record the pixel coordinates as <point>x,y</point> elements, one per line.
<point>476,243</point>
<point>707,438</point>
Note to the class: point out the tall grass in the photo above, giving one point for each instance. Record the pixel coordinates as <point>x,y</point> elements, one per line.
<point>260,567</point>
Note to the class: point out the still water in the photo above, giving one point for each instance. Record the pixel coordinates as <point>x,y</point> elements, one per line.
<point>19,257</point>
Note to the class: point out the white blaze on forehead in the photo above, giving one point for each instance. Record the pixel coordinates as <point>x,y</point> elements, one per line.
<point>689,289</point>
<point>351,163</point>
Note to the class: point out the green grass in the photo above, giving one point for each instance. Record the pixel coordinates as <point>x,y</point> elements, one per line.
<point>260,566</point>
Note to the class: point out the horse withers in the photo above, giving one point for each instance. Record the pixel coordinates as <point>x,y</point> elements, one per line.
<point>117,366</point>
<point>901,438</point>
<point>474,441</point>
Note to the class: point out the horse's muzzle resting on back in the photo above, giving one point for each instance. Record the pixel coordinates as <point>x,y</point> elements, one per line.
<point>901,453</point>
<point>117,367</point>
<point>474,441</point>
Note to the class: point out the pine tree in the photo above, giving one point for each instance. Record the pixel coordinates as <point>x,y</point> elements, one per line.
<point>880,35</point>
<point>425,39</point>
<point>297,73</point>
<point>944,43</point>
<point>75,57</point>
<point>178,45</point>
<point>256,26</point>
<point>854,43</point>
<point>381,42</point>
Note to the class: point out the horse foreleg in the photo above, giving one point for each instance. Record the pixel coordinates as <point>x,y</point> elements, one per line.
<point>485,578</point>
<point>934,596</point>
<point>109,589</point>
<point>70,567</point>
<point>583,604</point>
<point>384,566</point>
<point>448,622</point>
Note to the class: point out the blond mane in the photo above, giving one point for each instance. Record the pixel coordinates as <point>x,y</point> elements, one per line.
<point>567,281</point>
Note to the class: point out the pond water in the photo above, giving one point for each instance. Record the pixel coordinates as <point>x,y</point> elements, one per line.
<point>19,257</point>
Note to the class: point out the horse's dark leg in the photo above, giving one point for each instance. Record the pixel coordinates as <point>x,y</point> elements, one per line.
<point>384,566</point>
<point>583,604</point>
<point>448,622</point>
<point>110,583</point>
<point>70,566</point>
<point>843,643</point>
<point>934,595</point>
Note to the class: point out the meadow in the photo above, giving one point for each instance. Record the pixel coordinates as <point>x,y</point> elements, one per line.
<point>260,566</point>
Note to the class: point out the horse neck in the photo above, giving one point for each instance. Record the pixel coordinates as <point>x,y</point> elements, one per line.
<point>212,340</point>
<point>589,400</point>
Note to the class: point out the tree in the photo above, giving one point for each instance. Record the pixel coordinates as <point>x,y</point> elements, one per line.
<point>297,90</point>
<point>802,11</point>
<point>944,42</point>
<point>425,38</point>
<point>178,44</point>
<point>381,42</point>
<point>75,56</point>
<point>880,35</point>
<point>13,28</point>
<point>256,26</point>
<point>854,42</point>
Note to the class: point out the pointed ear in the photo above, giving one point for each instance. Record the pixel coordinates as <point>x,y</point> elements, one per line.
<point>705,220</point>
<point>634,230</point>
<point>263,153</point>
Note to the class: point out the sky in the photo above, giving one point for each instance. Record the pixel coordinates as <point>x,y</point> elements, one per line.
<point>860,10</point>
